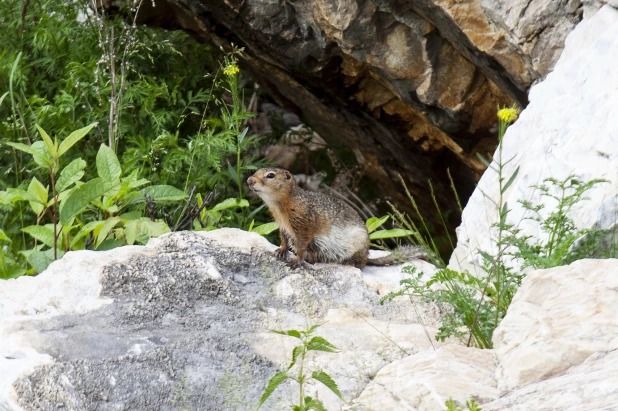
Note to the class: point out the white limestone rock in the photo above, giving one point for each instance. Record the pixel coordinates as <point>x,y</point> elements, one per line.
<point>590,386</point>
<point>558,318</point>
<point>425,381</point>
<point>569,127</point>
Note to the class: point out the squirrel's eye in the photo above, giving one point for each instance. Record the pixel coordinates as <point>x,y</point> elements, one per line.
<point>270,175</point>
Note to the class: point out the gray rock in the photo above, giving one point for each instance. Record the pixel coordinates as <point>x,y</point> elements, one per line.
<point>183,323</point>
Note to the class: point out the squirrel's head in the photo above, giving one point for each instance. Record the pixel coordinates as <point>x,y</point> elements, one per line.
<point>271,183</point>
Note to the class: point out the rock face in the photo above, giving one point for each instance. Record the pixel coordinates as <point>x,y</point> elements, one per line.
<point>569,128</point>
<point>556,349</point>
<point>410,86</point>
<point>183,322</point>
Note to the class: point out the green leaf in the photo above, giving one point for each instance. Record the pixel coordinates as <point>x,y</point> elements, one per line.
<point>325,379</point>
<point>40,192</point>
<point>508,183</point>
<point>86,229</point>
<point>22,147</point>
<point>374,222</point>
<point>394,233</point>
<point>314,404</point>
<point>291,333</point>
<point>104,230</point>
<point>40,260</point>
<point>42,157</point>
<point>241,136</point>
<point>38,150</point>
<point>298,350</point>
<point>143,229</point>
<point>82,196</point>
<point>274,382</point>
<point>318,343</point>
<point>70,174</point>
<point>2,97</point>
<point>230,203</point>
<point>73,138</point>
<point>51,147</point>
<point>17,194</point>
<point>44,234</point>
<point>232,172</point>
<point>162,193</point>
<point>483,160</point>
<point>108,166</point>
<point>4,237</point>
<point>265,229</point>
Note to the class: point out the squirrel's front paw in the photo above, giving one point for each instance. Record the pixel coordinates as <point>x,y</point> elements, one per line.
<point>281,253</point>
<point>299,263</point>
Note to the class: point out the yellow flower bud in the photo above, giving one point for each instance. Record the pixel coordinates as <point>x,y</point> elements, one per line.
<point>508,115</point>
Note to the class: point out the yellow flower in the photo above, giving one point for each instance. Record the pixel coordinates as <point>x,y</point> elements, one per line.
<point>230,70</point>
<point>508,115</point>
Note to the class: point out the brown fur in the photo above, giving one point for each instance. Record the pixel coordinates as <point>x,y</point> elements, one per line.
<point>311,224</point>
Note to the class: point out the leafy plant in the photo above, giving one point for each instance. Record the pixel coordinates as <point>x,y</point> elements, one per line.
<point>557,224</point>
<point>373,223</point>
<point>309,342</point>
<point>471,405</point>
<point>105,198</point>
<point>480,301</point>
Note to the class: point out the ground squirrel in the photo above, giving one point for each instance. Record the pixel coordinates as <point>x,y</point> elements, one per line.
<point>316,226</point>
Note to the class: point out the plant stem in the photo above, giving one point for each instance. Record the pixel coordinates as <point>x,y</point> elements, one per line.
<point>301,378</point>
<point>55,214</point>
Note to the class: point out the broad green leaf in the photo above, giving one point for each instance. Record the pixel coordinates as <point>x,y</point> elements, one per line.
<point>44,234</point>
<point>17,194</point>
<point>86,229</point>
<point>144,228</point>
<point>51,147</point>
<point>70,174</point>
<point>38,150</point>
<point>265,229</point>
<point>42,157</point>
<point>82,196</point>
<point>318,343</point>
<point>394,233</point>
<point>104,230</point>
<point>374,222</point>
<point>298,350</point>
<point>131,215</point>
<point>274,382</point>
<point>162,193</point>
<point>40,192</point>
<point>39,260</point>
<point>325,379</point>
<point>230,203</point>
<point>108,166</point>
<point>7,273</point>
<point>291,333</point>
<point>73,138</point>
<point>4,237</point>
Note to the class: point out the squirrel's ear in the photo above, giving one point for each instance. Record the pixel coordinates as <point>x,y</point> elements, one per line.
<point>288,176</point>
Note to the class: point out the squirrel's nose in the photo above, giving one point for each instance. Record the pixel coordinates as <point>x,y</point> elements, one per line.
<point>251,181</point>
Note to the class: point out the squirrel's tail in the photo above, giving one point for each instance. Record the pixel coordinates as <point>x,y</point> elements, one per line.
<point>399,256</point>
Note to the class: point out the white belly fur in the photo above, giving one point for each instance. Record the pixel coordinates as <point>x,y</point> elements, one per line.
<point>341,242</point>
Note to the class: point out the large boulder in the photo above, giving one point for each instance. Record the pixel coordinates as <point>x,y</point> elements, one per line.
<point>569,128</point>
<point>556,349</point>
<point>184,322</point>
